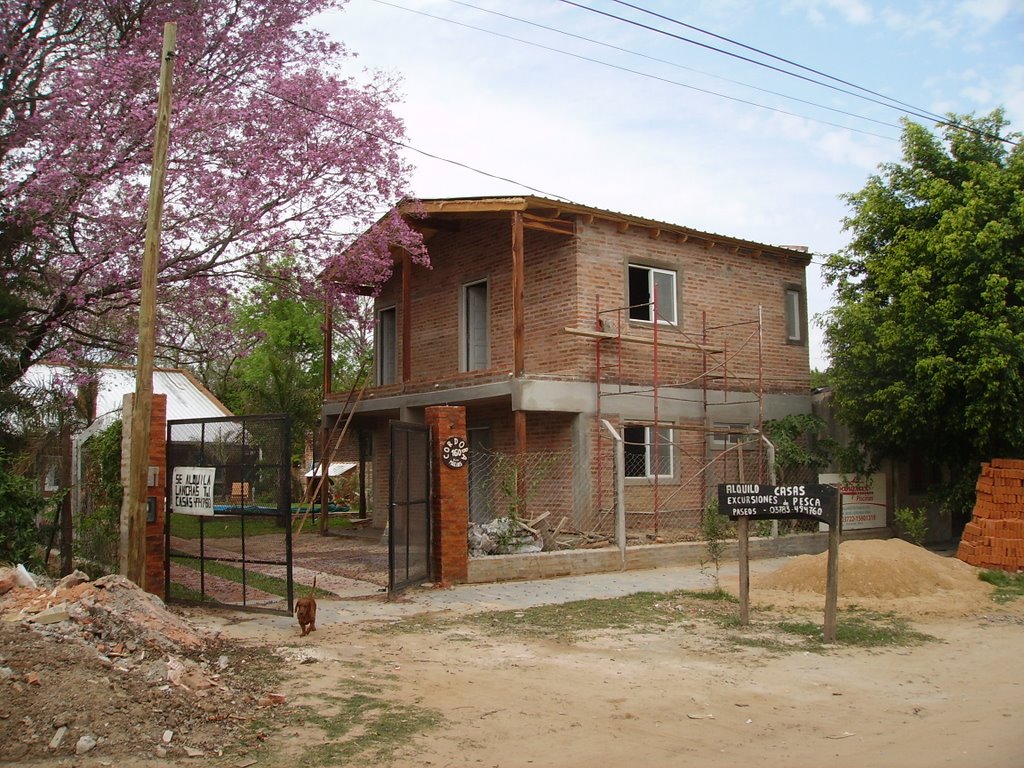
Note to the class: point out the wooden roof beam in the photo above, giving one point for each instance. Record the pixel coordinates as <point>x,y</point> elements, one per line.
<point>544,224</point>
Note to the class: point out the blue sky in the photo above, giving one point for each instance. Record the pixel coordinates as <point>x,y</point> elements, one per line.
<point>639,133</point>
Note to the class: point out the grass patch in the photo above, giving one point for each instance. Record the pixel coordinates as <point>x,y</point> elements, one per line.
<point>862,630</point>
<point>230,526</point>
<point>253,579</point>
<point>643,610</point>
<point>717,610</point>
<point>1009,586</point>
<point>361,727</point>
<point>181,592</point>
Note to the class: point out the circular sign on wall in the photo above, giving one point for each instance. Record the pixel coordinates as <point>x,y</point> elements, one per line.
<point>454,452</point>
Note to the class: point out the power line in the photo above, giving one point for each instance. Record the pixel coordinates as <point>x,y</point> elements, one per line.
<point>914,111</point>
<point>575,36</point>
<point>631,71</point>
<point>394,142</point>
<point>724,52</point>
<point>782,59</point>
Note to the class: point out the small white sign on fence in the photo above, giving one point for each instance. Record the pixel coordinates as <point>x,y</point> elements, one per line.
<point>192,490</point>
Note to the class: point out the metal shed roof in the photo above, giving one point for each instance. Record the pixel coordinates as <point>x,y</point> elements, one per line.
<point>187,398</point>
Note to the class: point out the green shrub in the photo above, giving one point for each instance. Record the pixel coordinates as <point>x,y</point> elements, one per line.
<point>22,506</point>
<point>912,524</point>
<point>97,527</point>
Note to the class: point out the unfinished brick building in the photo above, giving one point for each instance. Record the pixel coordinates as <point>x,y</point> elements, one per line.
<point>556,325</point>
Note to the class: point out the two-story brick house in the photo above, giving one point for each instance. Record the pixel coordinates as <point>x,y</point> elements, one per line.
<point>547,319</point>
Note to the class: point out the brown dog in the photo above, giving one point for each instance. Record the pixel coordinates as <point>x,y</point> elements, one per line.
<point>305,611</point>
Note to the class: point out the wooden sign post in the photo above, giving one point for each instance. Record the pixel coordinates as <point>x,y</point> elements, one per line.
<point>751,501</point>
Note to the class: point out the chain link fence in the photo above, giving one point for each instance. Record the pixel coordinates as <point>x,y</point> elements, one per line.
<point>558,500</point>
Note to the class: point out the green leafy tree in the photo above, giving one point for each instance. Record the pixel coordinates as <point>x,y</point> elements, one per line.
<point>283,372</point>
<point>799,451</point>
<point>926,335</point>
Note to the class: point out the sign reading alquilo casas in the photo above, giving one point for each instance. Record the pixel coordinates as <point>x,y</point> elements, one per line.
<point>755,501</point>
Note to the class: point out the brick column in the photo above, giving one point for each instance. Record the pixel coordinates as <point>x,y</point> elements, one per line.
<point>156,489</point>
<point>450,497</point>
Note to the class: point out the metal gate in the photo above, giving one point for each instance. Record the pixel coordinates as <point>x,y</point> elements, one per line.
<point>409,506</point>
<point>228,530</point>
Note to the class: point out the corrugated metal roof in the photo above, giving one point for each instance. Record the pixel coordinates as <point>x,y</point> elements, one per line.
<point>186,397</point>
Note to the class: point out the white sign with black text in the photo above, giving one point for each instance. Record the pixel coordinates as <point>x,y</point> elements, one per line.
<point>192,490</point>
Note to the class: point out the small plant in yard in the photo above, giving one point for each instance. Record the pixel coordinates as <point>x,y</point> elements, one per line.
<point>715,529</point>
<point>912,524</point>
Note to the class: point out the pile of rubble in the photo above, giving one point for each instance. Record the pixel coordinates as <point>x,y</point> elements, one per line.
<point>512,536</point>
<point>102,667</point>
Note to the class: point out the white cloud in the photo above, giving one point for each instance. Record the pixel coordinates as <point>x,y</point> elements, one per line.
<point>854,12</point>
<point>985,13</point>
<point>1011,96</point>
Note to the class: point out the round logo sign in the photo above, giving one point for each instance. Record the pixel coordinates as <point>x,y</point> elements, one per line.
<point>454,452</point>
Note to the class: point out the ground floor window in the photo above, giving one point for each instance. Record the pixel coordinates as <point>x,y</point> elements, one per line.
<point>649,451</point>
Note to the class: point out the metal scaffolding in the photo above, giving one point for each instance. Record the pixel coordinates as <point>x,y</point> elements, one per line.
<point>721,379</point>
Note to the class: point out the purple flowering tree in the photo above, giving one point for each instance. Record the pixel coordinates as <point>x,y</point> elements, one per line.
<point>274,152</point>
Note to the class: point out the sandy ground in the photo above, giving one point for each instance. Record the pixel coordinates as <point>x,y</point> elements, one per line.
<point>686,695</point>
<point>685,692</point>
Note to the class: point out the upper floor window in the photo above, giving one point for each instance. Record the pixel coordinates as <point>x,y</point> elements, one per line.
<point>648,451</point>
<point>650,287</point>
<point>387,346</point>
<point>475,342</point>
<point>794,314</point>
<point>730,435</point>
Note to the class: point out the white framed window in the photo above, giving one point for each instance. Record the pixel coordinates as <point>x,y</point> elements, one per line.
<point>649,452</point>
<point>794,314</point>
<point>647,283</point>
<point>386,345</point>
<point>475,345</point>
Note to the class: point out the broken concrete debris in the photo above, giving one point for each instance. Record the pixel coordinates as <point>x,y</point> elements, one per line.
<point>102,668</point>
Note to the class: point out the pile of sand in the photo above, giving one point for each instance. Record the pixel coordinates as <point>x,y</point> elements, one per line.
<point>876,568</point>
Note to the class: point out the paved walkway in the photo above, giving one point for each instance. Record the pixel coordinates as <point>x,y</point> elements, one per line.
<point>516,595</point>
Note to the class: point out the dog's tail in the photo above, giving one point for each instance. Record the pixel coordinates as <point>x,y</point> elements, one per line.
<point>312,589</point>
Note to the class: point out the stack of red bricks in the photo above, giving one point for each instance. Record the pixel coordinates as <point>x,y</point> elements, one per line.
<point>995,536</point>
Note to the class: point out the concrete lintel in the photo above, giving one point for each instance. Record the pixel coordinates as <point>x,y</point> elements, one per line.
<point>456,396</point>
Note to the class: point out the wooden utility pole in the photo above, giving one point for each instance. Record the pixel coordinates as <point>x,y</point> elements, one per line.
<point>142,408</point>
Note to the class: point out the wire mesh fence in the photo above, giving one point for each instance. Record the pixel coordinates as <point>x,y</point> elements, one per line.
<point>562,500</point>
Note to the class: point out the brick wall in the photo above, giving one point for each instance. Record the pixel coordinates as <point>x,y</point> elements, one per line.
<point>566,279</point>
<point>450,499</point>
<point>727,286</point>
<point>157,450</point>
<point>155,541</point>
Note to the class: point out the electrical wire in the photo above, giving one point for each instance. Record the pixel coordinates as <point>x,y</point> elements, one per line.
<point>782,59</point>
<point>913,111</point>
<point>394,142</point>
<point>631,71</point>
<point>603,44</point>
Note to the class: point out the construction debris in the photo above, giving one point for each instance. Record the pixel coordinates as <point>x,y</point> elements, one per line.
<point>104,669</point>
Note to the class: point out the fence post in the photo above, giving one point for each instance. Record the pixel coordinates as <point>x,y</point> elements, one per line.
<point>771,479</point>
<point>620,491</point>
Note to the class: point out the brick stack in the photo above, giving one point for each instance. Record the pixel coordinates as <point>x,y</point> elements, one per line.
<point>995,536</point>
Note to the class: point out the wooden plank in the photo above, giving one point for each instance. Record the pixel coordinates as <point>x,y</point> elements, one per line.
<point>602,335</point>
<point>518,283</point>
